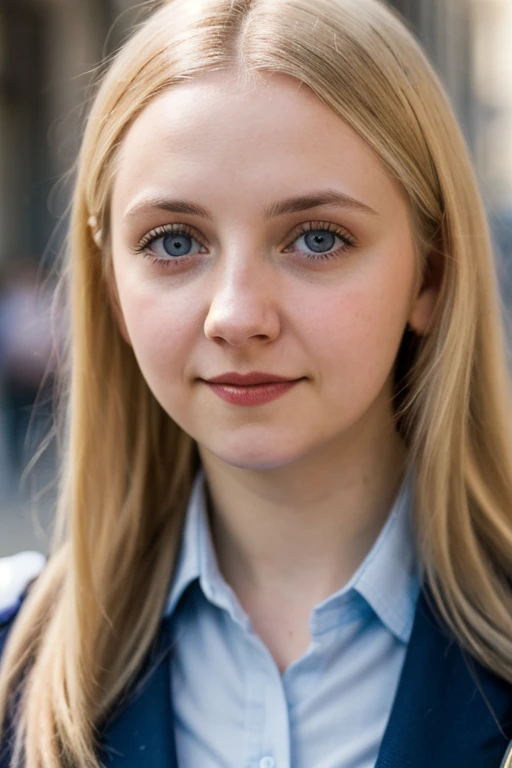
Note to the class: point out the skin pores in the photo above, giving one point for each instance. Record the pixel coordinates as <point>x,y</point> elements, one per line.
<point>242,290</point>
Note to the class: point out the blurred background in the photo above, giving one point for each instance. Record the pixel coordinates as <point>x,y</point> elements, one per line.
<point>49,51</point>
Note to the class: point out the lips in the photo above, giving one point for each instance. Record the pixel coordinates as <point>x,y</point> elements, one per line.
<point>255,389</point>
<point>248,379</point>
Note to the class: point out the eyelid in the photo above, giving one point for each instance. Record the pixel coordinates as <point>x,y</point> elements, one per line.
<point>167,229</point>
<point>329,226</point>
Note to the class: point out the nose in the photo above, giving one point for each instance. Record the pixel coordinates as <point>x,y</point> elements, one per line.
<point>244,305</point>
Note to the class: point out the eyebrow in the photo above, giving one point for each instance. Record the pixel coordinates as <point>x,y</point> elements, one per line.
<point>278,208</point>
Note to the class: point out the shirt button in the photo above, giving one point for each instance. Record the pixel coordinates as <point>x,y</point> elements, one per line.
<point>267,762</point>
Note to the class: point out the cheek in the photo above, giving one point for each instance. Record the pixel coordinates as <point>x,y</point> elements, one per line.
<point>358,332</point>
<point>161,326</point>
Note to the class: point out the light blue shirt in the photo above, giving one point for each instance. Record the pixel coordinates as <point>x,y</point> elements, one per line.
<point>329,709</point>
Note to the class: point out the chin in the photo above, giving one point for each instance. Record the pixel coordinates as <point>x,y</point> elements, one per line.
<point>255,461</point>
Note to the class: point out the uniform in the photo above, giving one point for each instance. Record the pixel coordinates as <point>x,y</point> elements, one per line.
<point>449,712</point>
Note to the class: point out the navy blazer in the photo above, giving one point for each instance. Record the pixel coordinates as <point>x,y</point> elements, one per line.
<point>448,712</point>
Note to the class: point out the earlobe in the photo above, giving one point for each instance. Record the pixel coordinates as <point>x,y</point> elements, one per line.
<point>422,311</point>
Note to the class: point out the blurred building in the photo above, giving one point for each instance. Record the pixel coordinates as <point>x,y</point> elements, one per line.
<point>445,29</point>
<point>49,50</point>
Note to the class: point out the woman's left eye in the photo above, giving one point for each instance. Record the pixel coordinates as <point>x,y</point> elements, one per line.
<point>321,241</point>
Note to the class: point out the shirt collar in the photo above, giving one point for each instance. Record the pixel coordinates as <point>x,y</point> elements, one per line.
<point>387,579</point>
<point>188,565</point>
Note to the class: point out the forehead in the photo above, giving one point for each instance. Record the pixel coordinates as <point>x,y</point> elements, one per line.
<point>242,140</point>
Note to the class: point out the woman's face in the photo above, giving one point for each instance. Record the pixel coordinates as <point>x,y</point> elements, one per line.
<point>254,231</point>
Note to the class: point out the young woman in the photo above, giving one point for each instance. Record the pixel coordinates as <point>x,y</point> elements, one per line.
<point>284,535</point>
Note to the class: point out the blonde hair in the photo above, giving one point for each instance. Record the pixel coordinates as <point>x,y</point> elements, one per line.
<point>89,619</point>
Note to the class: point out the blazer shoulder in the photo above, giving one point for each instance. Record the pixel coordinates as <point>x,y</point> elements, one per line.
<point>16,574</point>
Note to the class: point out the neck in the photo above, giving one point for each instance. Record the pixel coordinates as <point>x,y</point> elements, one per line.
<point>306,527</point>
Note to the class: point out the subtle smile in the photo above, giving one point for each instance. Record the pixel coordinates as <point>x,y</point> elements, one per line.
<point>250,389</point>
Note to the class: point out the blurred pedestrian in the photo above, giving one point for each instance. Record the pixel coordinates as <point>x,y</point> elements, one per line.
<point>25,352</point>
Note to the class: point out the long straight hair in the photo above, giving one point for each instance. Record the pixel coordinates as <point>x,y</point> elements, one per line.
<point>89,619</point>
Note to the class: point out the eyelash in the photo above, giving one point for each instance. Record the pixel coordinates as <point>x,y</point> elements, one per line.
<point>185,229</point>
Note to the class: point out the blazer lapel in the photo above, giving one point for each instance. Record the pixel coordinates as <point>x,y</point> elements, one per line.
<point>140,734</point>
<point>448,710</point>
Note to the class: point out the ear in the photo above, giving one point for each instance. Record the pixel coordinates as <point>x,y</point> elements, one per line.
<point>425,302</point>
